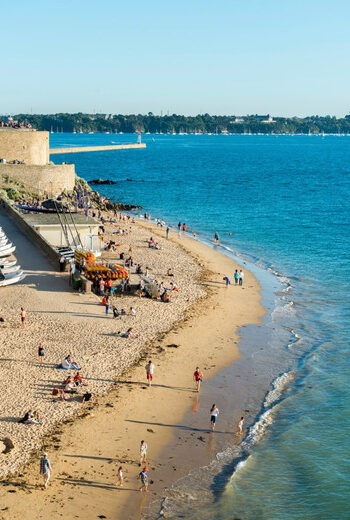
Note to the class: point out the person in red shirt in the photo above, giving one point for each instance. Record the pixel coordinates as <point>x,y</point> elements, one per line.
<point>78,380</point>
<point>184,227</point>
<point>198,378</point>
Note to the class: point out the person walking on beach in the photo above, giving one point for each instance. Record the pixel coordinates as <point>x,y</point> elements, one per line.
<point>214,412</point>
<point>143,453</point>
<point>240,426</point>
<point>144,479</point>
<point>227,281</point>
<point>241,277</point>
<point>107,305</point>
<point>45,469</point>
<point>179,227</point>
<point>236,276</point>
<point>216,237</point>
<point>23,316</point>
<point>149,372</point>
<point>120,477</point>
<point>198,378</point>
<point>41,352</point>
<point>167,233</point>
<point>184,227</point>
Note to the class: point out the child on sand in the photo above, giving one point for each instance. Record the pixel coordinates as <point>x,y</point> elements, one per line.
<point>41,352</point>
<point>120,476</point>
<point>143,453</point>
<point>144,480</point>
<point>227,281</point>
<point>23,316</point>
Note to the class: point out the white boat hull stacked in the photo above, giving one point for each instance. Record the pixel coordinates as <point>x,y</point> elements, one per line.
<point>11,278</point>
<point>7,250</point>
<point>11,269</point>
<point>7,263</point>
<point>10,272</point>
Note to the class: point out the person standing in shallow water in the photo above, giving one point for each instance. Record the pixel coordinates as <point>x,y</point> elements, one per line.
<point>240,426</point>
<point>214,412</point>
<point>216,237</point>
<point>179,227</point>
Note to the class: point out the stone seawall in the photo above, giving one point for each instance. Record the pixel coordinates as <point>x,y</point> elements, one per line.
<point>49,178</point>
<point>79,149</point>
<point>33,236</point>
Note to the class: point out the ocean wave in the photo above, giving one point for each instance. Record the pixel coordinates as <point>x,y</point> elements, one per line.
<point>286,309</point>
<point>278,385</point>
<point>296,338</point>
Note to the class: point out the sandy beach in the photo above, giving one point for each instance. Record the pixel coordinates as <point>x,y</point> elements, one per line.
<point>199,327</point>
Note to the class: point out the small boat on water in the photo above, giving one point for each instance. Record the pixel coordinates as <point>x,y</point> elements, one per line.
<point>11,278</point>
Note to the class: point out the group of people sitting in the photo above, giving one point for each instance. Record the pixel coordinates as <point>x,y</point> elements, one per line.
<point>153,244</point>
<point>71,386</point>
<point>31,417</point>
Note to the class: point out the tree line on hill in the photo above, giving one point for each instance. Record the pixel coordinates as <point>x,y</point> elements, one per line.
<point>174,123</point>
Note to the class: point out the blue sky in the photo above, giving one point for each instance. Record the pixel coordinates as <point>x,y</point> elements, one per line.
<point>284,57</point>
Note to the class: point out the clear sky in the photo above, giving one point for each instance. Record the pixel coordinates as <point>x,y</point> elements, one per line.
<point>284,57</point>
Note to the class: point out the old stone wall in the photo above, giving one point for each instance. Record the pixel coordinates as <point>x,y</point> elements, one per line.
<point>51,178</point>
<point>24,145</point>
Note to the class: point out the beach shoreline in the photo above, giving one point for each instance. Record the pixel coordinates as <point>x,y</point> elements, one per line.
<point>248,311</point>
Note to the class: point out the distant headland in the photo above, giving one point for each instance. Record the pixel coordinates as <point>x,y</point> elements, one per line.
<point>181,124</point>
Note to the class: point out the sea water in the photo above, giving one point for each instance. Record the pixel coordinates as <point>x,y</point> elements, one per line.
<point>281,202</point>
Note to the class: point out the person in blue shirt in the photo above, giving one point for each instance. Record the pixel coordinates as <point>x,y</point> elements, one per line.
<point>227,281</point>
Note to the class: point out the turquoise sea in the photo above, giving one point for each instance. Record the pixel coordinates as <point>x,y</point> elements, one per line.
<point>282,204</point>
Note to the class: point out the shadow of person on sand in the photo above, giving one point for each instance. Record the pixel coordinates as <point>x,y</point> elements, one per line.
<point>179,426</point>
<point>92,483</point>
<point>75,456</point>
<point>155,385</point>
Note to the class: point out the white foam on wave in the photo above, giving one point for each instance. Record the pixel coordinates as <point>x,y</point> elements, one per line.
<point>258,430</point>
<point>296,339</point>
<point>286,309</point>
<point>241,465</point>
<point>278,385</point>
